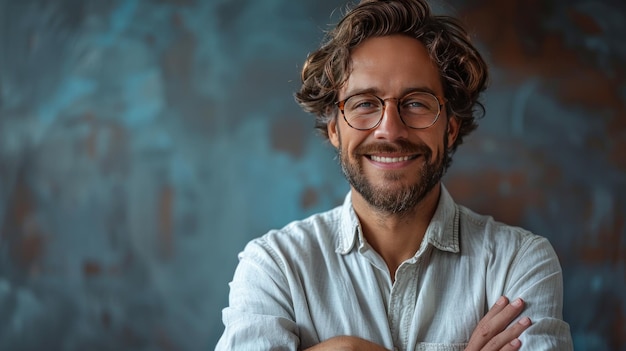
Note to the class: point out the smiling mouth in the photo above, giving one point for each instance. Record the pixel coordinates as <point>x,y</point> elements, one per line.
<point>382,159</point>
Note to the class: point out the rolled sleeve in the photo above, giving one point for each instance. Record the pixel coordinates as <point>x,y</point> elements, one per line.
<point>537,278</point>
<point>259,315</point>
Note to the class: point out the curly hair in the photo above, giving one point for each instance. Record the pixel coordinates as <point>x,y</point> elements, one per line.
<point>461,67</point>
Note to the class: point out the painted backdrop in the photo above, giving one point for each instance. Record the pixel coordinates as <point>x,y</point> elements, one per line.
<point>144,142</point>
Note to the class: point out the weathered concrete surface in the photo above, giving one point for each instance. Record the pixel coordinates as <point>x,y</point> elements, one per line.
<point>142,143</point>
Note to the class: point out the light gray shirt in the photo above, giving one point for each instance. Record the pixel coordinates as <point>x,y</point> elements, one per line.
<point>319,278</point>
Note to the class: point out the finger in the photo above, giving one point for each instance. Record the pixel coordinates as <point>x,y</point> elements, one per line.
<point>506,339</point>
<point>514,345</point>
<point>480,335</point>
<point>499,317</point>
<point>503,318</point>
<point>497,307</point>
<point>494,322</point>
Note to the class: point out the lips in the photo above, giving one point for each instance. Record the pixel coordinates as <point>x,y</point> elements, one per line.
<point>392,153</point>
<point>383,159</point>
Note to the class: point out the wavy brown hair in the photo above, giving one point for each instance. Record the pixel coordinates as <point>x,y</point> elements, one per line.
<point>463,71</point>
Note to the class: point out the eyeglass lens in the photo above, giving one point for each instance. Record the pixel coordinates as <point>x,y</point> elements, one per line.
<point>417,110</point>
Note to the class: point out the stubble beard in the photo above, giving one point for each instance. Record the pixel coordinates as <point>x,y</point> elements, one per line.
<point>396,200</point>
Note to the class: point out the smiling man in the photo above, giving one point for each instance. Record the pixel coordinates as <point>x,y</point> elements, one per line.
<point>400,265</point>
<point>393,150</point>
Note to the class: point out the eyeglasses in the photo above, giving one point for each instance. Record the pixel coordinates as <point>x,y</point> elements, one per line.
<point>417,110</point>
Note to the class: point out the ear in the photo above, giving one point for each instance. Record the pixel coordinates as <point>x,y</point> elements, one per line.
<point>453,130</point>
<point>333,132</point>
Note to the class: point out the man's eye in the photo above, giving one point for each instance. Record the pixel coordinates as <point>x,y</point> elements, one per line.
<point>417,106</point>
<point>414,104</point>
<point>365,104</point>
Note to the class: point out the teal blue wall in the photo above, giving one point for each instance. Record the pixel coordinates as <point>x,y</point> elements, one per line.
<point>144,142</point>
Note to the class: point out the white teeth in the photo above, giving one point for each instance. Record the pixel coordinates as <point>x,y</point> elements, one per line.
<point>390,159</point>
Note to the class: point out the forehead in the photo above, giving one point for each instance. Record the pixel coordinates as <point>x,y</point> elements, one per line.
<point>391,66</point>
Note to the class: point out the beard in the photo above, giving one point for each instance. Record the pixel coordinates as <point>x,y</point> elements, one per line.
<point>393,199</point>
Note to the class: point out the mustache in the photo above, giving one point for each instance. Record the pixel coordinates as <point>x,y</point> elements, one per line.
<point>401,146</point>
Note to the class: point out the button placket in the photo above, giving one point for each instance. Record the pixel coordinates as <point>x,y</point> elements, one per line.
<point>402,305</point>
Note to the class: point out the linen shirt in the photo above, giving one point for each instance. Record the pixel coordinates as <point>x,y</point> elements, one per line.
<point>318,278</point>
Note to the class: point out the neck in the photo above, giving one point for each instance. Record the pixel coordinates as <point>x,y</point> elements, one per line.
<point>396,237</point>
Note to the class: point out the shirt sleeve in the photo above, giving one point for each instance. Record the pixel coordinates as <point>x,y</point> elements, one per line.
<point>536,277</point>
<point>260,312</point>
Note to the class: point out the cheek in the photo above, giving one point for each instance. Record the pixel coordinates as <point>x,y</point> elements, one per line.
<point>438,144</point>
<point>349,140</point>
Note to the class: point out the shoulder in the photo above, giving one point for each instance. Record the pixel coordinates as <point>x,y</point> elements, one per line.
<point>511,256</point>
<point>308,237</point>
<point>494,236</point>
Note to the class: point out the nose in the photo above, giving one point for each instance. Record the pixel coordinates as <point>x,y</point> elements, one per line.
<point>391,126</point>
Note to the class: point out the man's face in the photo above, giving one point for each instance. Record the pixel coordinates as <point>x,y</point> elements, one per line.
<point>392,167</point>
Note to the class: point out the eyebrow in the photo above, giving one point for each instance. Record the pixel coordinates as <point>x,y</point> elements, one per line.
<point>377,91</point>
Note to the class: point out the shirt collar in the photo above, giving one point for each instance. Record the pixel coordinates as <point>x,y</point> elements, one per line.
<point>442,232</point>
<point>349,227</point>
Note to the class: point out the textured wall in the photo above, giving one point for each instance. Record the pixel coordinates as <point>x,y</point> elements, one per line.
<point>143,143</point>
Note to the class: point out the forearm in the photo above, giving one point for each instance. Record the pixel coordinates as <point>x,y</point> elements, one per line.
<point>347,343</point>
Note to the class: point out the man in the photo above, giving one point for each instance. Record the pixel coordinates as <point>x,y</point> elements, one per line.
<point>400,266</point>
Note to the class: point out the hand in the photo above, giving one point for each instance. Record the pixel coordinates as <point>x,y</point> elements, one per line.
<point>492,333</point>
<point>346,343</point>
